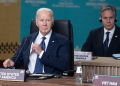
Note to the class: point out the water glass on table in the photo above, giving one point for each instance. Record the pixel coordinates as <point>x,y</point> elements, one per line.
<point>90,74</point>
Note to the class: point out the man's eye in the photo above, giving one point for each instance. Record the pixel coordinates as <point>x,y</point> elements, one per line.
<point>48,20</point>
<point>41,20</point>
<point>111,17</point>
<point>105,18</point>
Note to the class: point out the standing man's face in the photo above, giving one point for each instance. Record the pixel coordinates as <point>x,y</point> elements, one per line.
<point>44,22</point>
<point>108,19</point>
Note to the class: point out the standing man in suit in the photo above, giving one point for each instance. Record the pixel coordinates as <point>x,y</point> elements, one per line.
<point>104,41</point>
<point>44,51</point>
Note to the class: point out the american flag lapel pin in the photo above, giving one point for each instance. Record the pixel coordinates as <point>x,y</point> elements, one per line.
<point>115,36</point>
<point>52,41</point>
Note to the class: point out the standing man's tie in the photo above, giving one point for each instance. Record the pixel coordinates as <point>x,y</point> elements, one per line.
<point>39,65</point>
<point>106,43</point>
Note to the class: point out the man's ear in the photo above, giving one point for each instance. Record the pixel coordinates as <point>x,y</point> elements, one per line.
<point>36,24</point>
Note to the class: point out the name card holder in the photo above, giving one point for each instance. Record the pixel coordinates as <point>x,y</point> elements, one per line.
<point>78,55</point>
<point>106,80</point>
<point>12,74</point>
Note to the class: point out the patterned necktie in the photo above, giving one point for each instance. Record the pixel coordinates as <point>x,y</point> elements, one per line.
<point>106,43</point>
<point>39,65</point>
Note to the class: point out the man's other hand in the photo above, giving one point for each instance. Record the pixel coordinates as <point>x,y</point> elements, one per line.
<point>8,63</point>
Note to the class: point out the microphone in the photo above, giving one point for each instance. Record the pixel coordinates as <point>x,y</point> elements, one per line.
<point>13,67</point>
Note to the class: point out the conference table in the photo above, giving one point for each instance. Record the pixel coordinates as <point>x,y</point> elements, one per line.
<point>63,81</point>
<point>101,65</point>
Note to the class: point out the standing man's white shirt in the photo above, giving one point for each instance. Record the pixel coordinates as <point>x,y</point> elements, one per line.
<point>33,54</point>
<point>110,34</point>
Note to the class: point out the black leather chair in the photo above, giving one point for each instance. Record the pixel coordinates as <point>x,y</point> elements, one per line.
<point>63,27</point>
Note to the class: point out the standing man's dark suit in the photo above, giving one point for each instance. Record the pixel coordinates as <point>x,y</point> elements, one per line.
<point>55,59</point>
<point>94,42</point>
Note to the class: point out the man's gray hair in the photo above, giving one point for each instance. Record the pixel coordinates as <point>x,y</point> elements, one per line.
<point>108,7</point>
<point>45,9</point>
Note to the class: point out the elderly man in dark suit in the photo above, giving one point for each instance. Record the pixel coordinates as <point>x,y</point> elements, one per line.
<point>104,41</point>
<point>44,51</point>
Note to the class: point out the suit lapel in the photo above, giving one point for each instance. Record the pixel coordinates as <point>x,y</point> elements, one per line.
<point>31,39</point>
<point>114,38</point>
<point>52,42</point>
<point>27,52</point>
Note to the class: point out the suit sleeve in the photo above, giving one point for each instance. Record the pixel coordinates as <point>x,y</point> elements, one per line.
<point>87,46</point>
<point>18,57</point>
<point>58,58</point>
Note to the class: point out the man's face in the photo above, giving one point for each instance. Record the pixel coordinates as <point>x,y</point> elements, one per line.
<point>44,22</point>
<point>108,19</point>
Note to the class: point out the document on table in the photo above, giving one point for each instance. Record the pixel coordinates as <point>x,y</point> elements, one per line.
<point>116,56</point>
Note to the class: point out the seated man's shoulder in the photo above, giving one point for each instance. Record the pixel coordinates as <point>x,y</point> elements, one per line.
<point>60,36</point>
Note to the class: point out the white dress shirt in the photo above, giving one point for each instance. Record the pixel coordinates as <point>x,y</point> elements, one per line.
<point>110,34</point>
<point>33,54</point>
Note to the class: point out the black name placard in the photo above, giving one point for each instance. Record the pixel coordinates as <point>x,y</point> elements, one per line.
<point>12,74</point>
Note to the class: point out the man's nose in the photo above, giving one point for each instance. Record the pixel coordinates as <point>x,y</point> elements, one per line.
<point>45,23</point>
<point>108,20</point>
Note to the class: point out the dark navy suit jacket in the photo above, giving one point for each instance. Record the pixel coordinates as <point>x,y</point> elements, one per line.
<point>94,42</point>
<point>55,59</point>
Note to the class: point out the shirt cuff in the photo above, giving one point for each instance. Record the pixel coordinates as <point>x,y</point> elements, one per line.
<point>41,54</point>
<point>31,48</point>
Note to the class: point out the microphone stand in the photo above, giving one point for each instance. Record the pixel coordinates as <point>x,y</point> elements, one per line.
<point>13,67</point>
